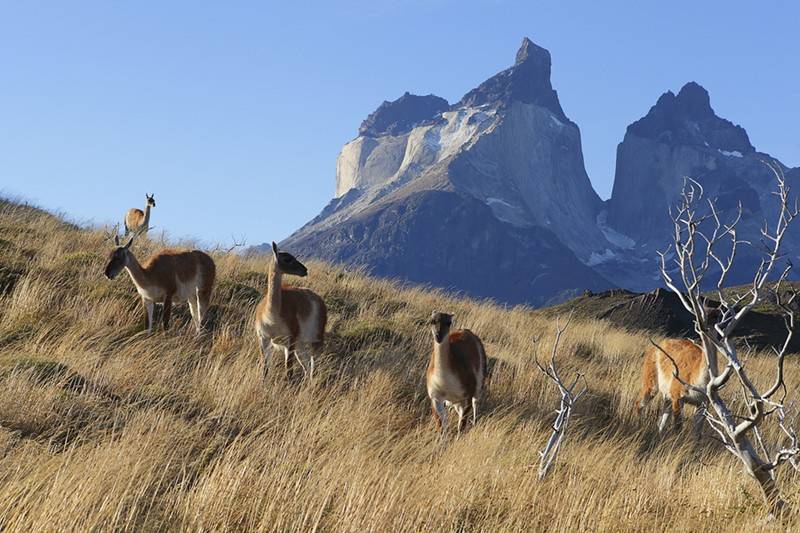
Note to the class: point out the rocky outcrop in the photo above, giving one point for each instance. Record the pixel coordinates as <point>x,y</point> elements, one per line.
<point>682,137</point>
<point>454,241</point>
<point>660,312</point>
<point>427,190</point>
<point>507,143</point>
<point>402,115</point>
<point>490,195</point>
<point>528,81</point>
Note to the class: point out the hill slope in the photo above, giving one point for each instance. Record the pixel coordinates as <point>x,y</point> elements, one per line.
<point>104,428</point>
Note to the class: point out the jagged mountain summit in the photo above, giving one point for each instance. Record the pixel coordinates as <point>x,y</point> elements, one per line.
<point>506,143</point>
<point>490,196</point>
<point>681,136</point>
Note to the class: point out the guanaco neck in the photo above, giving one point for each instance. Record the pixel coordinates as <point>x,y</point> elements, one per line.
<point>146,222</point>
<point>135,271</point>
<point>441,353</point>
<point>274,279</point>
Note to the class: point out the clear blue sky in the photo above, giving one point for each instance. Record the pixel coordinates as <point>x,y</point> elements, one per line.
<point>233,112</point>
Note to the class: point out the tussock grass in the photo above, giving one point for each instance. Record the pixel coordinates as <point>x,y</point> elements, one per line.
<point>103,428</point>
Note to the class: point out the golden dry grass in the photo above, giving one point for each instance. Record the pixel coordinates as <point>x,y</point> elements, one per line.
<point>103,428</point>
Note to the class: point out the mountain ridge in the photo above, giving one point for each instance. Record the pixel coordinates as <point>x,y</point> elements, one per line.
<point>509,145</point>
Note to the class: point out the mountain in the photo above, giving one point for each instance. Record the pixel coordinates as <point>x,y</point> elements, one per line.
<point>681,136</point>
<point>489,195</point>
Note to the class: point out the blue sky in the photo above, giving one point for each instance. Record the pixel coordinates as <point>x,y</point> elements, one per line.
<point>233,112</point>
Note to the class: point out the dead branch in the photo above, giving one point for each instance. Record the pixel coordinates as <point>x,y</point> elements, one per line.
<point>236,243</point>
<point>697,238</point>
<point>569,396</point>
<point>110,234</point>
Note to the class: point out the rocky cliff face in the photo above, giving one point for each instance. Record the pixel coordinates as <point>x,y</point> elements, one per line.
<point>490,196</point>
<point>681,137</point>
<point>507,143</point>
<point>453,241</point>
<point>402,115</point>
<point>505,155</point>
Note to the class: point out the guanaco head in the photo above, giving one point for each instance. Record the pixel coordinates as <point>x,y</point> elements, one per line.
<point>287,263</point>
<point>117,258</point>
<point>151,200</point>
<point>440,326</point>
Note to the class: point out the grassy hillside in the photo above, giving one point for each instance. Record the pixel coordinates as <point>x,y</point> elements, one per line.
<point>104,428</point>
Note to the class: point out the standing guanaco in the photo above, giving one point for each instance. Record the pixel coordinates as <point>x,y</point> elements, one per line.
<point>170,276</point>
<point>456,371</point>
<point>138,221</point>
<point>658,376</point>
<point>289,318</point>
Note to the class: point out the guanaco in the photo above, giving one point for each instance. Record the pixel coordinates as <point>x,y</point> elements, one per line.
<point>289,318</point>
<point>658,377</point>
<point>170,276</point>
<point>456,371</point>
<point>138,221</point>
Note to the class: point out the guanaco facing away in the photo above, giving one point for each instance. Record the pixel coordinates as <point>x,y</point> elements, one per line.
<point>170,276</point>
<point>456,371</point>
<point>138,221</point>
<point>289,318</point>
<point>658,376</point>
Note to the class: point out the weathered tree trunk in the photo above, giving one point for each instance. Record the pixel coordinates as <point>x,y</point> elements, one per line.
<point>695,252</point>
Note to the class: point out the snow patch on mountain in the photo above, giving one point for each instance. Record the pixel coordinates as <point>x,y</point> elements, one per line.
<point>613,236</point>
<point>508,212</point>
<point>461,128</point>
<point>599,258</point>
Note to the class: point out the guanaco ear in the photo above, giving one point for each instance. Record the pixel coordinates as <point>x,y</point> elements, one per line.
<point>116,240</point>
<point>275,249</point>
<point>130,241</point>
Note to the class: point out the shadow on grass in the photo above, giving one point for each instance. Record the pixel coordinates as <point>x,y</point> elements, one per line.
<point>72,419</point>
<point>54,372</point>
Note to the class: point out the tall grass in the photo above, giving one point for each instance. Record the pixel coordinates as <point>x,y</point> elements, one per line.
<point>102,427</point>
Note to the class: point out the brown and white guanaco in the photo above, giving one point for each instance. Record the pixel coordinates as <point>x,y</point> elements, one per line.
<point>658,377</point>
<point>170,276</point>
<point>456,371</point>
<point>290,318</point>
<point>138,221</point>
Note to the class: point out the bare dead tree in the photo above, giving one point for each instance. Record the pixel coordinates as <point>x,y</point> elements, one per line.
<point>236,242</point>
<point>110,232</point>
<point>569,397</point>
<point>705,247</point>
